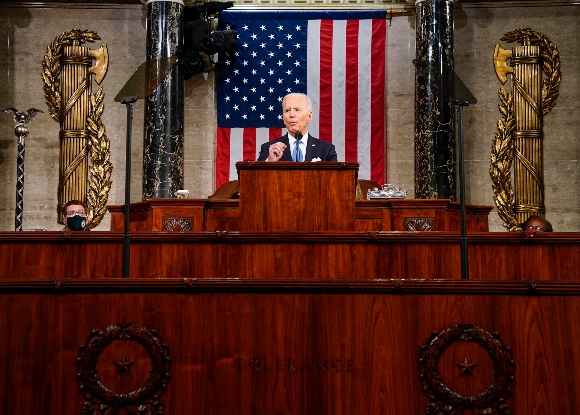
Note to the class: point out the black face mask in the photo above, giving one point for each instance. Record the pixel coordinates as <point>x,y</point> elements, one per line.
<point>76,223</point>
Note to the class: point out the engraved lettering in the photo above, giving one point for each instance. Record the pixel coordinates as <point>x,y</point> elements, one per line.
<point>254,364</point>
<point>291,365</point>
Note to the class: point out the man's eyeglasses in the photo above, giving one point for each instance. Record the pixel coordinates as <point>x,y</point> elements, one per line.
<point>71,213</point>
<point>535,228</point>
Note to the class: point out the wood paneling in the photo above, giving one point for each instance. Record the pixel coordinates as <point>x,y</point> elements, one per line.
<point>350,255</point>
<point>257,352</point>
<point>287,322</point>
<point>287,196</point>
<point>368,215</point>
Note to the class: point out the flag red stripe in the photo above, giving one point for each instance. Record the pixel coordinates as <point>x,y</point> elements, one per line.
<point>222,168</point>
<point>325,108</point>
<point>378,101</point>
<point>274,133</point>
<point>249,144</point>
<point>351,92</point>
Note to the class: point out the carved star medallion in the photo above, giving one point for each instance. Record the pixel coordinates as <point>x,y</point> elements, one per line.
<point>123,365</point>
<point>466,367</point>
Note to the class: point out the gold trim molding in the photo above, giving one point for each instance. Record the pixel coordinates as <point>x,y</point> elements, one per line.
<point>238,4</point>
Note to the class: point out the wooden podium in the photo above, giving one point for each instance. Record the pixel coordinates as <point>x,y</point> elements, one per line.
<point>291,197</point>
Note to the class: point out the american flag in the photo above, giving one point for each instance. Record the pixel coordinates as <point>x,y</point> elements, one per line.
<point>336,57</point>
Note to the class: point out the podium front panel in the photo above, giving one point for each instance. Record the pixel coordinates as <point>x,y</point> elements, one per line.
<point>290,197</point>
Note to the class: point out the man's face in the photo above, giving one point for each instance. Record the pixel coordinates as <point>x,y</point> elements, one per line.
<point>535,225</point>
<point>296,114</point>
<point>72,209</point>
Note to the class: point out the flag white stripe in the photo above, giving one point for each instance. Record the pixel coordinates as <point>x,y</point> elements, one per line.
<point>338,86</point>
<point>364,97</point>
<point>262,136</point>
<point>236,150</point>
<point>313,74</point>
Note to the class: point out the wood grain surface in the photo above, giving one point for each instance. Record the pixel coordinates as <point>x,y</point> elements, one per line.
<point>272,255</point>
<point>354,352</point>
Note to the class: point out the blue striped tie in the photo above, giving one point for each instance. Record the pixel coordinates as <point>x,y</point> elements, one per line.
<point>297,153</point>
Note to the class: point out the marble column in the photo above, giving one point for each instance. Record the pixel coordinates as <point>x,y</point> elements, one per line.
<point>163,142</point>
<point>434,127</point>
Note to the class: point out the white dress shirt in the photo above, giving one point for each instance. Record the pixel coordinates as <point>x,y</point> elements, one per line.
<point>303,141</point>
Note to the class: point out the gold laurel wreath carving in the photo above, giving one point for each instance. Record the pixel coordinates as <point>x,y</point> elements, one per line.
<point>51,67</point>
<point>99,143</point>
<point>502,153</point>
<point>50,76</point>
<point>101,168</point>
<point>551,63</point>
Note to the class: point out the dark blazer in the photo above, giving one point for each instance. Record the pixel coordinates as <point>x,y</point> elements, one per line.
<point>315,148</point>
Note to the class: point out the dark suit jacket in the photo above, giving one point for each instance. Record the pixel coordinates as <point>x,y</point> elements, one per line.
<point>315,148</point>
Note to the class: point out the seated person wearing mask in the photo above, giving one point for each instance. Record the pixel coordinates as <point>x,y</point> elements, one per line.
<point>297,111</point>
<point>536,224</point>
<point>75,216</point>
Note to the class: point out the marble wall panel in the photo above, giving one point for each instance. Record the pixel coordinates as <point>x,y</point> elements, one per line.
<point>201,178</point>
<point>400,69</point>
<point>401,175</point>
<point>8,152</point>
<point>400,103</point>
<point>400,149</point>
<point>200,127</point>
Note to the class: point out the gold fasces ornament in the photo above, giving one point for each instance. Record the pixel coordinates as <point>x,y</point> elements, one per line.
<point>519,139</point>
<point>84,145</point>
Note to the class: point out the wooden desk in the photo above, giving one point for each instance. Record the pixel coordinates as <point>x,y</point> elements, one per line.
<point>303,197</point>
<point>367,215</point>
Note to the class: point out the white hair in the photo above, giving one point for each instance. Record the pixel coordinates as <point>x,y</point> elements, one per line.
<point>299,94</point>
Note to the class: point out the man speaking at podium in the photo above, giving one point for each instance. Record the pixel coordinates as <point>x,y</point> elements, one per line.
<point>297,110</point>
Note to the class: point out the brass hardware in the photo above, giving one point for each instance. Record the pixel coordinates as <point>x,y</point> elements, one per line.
<point>397,12</point>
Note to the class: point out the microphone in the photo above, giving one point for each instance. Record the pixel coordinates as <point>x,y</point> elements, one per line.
<point>298,135</point>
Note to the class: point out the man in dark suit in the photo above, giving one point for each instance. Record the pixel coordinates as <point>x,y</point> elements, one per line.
<point>297,110</point>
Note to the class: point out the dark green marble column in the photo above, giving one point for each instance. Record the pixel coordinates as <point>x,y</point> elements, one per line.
<point>434,132</point>
<point>163,142</point>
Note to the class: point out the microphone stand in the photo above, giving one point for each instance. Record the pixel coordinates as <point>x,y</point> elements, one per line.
<point>459,104</point>
<point>140,85</point>
<point>128,101</point>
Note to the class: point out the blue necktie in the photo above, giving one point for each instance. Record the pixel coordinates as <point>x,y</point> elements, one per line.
<point>297,153</point>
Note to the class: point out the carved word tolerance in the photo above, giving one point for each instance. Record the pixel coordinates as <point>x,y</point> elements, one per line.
<point>291,365</point>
